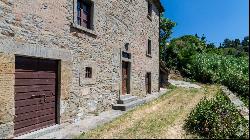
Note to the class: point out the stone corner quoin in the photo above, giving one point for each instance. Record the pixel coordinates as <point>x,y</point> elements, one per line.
<point>61,61</point>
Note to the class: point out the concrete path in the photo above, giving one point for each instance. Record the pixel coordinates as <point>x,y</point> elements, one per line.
<point>183,84</point>
<point>69,131</point>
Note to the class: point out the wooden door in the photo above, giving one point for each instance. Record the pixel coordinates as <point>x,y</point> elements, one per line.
<point>35,94</point>
<point>148,83</point>
<point>125,77</point>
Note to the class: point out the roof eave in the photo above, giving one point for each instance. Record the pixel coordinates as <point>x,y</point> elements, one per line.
<point>159,6</point>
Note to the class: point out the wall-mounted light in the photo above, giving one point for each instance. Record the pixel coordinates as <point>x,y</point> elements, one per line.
<point>126,46</point>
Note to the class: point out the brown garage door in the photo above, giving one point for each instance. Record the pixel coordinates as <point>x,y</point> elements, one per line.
<point>35,94</point>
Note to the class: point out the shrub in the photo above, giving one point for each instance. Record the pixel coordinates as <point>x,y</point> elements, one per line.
<point>194,59</point>
<point>204,68</point>
<point>227,70</point>
<point>179,51</point>
<point>217,118</point>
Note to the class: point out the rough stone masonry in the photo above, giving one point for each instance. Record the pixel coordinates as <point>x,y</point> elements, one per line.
<point>47,29</point>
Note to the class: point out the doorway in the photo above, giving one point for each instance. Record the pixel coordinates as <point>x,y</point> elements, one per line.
<point>125,78</point>
<point>148,83</point>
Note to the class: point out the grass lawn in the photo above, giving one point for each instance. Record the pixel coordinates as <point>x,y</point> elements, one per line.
<point>162,118</point>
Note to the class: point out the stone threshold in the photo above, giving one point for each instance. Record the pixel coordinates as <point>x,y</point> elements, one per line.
<point>69,131</point>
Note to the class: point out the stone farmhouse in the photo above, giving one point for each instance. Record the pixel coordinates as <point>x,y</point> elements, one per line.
<point>62,60</point>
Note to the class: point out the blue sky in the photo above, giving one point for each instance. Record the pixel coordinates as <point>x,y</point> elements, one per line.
<point>216,19</point>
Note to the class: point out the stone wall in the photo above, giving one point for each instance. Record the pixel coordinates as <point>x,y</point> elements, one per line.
<point>6,94</point>
<point>43,28</point>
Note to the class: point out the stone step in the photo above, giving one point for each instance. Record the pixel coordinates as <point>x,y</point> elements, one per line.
<point>127,100</point>
<point>130,105</point>
<point>41,132</point>
<point>125,96</point>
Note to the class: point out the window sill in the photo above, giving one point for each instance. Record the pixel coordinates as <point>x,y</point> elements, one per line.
<point>149,55</point>
<point>87,81</point>
<point>149,17</point>
<point>88,31</point>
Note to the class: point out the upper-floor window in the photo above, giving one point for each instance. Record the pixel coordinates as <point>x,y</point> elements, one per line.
<point>149,47</point>
<point>149,8</point>
<point>84,13</point>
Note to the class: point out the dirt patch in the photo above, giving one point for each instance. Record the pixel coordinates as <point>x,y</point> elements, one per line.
<point>175,75</point>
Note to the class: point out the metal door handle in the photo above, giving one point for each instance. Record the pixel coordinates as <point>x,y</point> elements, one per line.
<point>44,96</point>
<point>35,96</point>
<point>38,96</point>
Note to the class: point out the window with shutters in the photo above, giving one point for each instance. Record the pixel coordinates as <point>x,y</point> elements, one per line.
<point>84,13</point>
<point>88,72</point>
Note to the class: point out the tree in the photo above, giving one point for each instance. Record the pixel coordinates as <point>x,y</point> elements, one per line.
<point>245,41</point>
<point>245,44</point>
<point>227,43</point>
<point>166,29</point>
<point>211,45</point>
<point>237,43</point>
<point>196,35</point>
<point>220,46</point>
<point>203,38</point>
<point>180,50</point>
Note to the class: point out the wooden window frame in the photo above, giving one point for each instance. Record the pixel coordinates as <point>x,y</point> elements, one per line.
<point>149,48</point>
<point>84,15</point>
<point>150,9</point>
<point>88,72</point>
<point>75,23</point>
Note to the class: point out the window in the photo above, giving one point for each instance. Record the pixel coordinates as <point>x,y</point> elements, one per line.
<point>149,8</point>
<point>88,73</point>
<point>84,9</point>
<point>149,48</point>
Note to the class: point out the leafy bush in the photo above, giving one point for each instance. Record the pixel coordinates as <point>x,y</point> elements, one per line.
<point>194,59</point>
<point>228,51</point>
<point>228,70</point>
<point>180,50</point>
<point>217,118</point>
